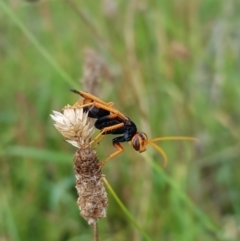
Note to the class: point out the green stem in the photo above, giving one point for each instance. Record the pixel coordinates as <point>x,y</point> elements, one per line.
<point>127,213</point>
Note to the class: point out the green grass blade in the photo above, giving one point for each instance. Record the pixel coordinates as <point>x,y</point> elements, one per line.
<point>7,221</point>
<point>38,154</point>
<point>36,43</point>
<point>205,220</point>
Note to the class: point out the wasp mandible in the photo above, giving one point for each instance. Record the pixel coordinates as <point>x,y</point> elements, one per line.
<point>111,121</point>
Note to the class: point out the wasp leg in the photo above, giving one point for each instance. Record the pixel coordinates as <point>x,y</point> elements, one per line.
<point>78,105</point>
<point>105,130</point>
<point>114,154</point>
<point>108,121</point>
<point>99,141</point>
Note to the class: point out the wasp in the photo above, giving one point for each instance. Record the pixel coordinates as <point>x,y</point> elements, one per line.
<point>109,120</point>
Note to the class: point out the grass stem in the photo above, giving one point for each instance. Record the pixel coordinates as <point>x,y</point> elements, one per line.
<point>127,213</point>
<point>95,232</point>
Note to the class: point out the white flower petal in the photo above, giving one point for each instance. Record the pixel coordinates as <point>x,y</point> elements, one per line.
<point>84,119</point>
<point>59,118</point>
<point>57,113</point>
<point>79,114</point>
<point>70,115</point>
<point>69,135</point>
<point>91,131</point>
<point>67,122</point>
<point>54,117</point>
<point>74,143</point>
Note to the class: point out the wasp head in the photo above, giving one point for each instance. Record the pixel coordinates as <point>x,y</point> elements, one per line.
<point>140,141</point>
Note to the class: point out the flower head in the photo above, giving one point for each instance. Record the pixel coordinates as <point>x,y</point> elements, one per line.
<point>75,125</point>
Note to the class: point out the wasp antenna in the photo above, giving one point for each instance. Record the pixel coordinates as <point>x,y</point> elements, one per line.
<point>161,151</point>
<point>175,138</point>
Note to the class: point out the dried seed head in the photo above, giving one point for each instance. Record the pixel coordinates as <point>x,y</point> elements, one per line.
<point>92,200</point>
<point>109,8</point>
<point>77,128</point>
<point>94,69</point>
<point>74,125</point>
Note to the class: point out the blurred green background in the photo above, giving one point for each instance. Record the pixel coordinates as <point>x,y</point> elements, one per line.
<point>173,67</point>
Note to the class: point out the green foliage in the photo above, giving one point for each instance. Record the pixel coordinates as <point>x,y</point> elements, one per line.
<point>174,71</point>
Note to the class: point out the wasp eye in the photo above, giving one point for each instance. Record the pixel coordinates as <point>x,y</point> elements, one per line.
<point>136,143</point>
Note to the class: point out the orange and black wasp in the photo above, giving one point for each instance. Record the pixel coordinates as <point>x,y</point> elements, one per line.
<point>111,121</point>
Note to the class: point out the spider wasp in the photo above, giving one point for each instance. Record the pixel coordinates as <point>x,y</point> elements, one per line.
<point>111,121</point>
